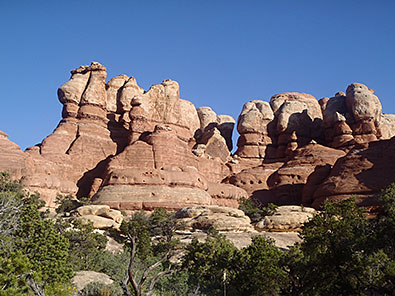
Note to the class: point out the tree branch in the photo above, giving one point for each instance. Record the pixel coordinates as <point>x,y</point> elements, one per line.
<point>37,290</point>
<point>156,278</point>
<point>129,275</point>
<point>152,267</point>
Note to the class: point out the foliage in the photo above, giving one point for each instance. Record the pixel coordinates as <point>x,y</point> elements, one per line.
<point>38,240</point>
<point>342,253</point>
<point>114,265</point>
<point>256,210</point>
<point>60,289</point>
<point>175,284</point>
<point>68,203</point>
<point>8,185</point>
<point>10,205</point>
<point>336,257</point>
<point>138,227</point>
<point>259,271</point>
<point>36,256</point>
<point>13,267</point>
<point>100,289</point>
<point>210,264</point>
<point>85,244</point>
<point>385,225</point>
<point>149,239</point>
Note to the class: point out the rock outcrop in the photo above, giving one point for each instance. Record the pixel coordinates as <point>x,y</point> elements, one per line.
<point>286,218</point>
<point>83,278</point>
<point>363,172</point>
<point>133,149</point>
<point>12,159</point>
<point>220,218</point>
<point>355,118</point>
<point>101,216</point>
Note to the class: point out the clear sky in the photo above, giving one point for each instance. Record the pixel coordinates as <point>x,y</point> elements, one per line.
<point>223,53</point>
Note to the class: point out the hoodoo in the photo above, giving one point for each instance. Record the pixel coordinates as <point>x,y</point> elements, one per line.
<point>133,149</point>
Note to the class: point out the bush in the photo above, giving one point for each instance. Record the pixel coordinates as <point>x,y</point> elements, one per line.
<point>100,289</point>
<point>341,255</point>
<point>256,210</point>
<point>210,264</point>
<point>36,254</point>
<point>259,270</point>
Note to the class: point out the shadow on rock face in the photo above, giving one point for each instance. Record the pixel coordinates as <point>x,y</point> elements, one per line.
<point>86,182</point>
<point>290,194</point>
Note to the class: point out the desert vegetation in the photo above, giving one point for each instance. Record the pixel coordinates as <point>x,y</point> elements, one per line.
<point>342,253</point>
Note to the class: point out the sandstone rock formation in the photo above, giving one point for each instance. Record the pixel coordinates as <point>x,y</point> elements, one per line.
<point>362,173</point>
<point>12,159</point>
<point>286,218</point>
<point>101,216</point>
<point>221,218</point>
<point>134,149</point>
<point>254,128</point>
<point>83,278</point>
<point>355,118</point>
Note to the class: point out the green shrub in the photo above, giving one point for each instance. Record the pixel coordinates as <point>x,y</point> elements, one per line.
<point>256,210</point>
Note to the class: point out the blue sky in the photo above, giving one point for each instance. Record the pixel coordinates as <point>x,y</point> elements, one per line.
<point>223,53</point>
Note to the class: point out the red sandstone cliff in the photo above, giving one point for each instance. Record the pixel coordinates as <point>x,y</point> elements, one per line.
<point>135,149</point>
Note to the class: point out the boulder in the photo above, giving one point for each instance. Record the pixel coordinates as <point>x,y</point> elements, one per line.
<point>362,103</point>
<point>97,210</point>
<point>221,218</point>
<point>99,222</point>
<point>82,278</point>
<point>286,218</point>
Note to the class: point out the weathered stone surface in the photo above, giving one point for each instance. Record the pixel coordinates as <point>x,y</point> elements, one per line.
<point>114,215</point>
<point>12,159</point>
<point>146,176</point>
<point>254,117</point>
<point>214,144</point>
<point>226,195</point>
<point>362,103</point>
<point>282,240</point>
<point>114,89</point>
<point>96,210</point>
<point>219,129</point>
<point>83,278</point>
<point>362,173</point>
<point>254,126</point>
<point>386,126</point>
<point>298,119</point>
<point>161,104</point>
<point>134,197</point>
<point>222,218</point>
<point>309,163</point>
<point>313,108</point>
<point>101,216</point>
<point>286,218</point>
<point>98,221</point>
<point>355,118</point>
<point>254,180</point>
<point>135,149</point>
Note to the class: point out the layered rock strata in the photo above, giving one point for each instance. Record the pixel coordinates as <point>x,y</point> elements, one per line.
<point>134,149</point>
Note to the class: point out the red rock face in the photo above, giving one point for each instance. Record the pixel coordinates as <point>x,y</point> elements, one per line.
<point>12,159</point>
<point>134,149</point>
<point>363,172</point>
